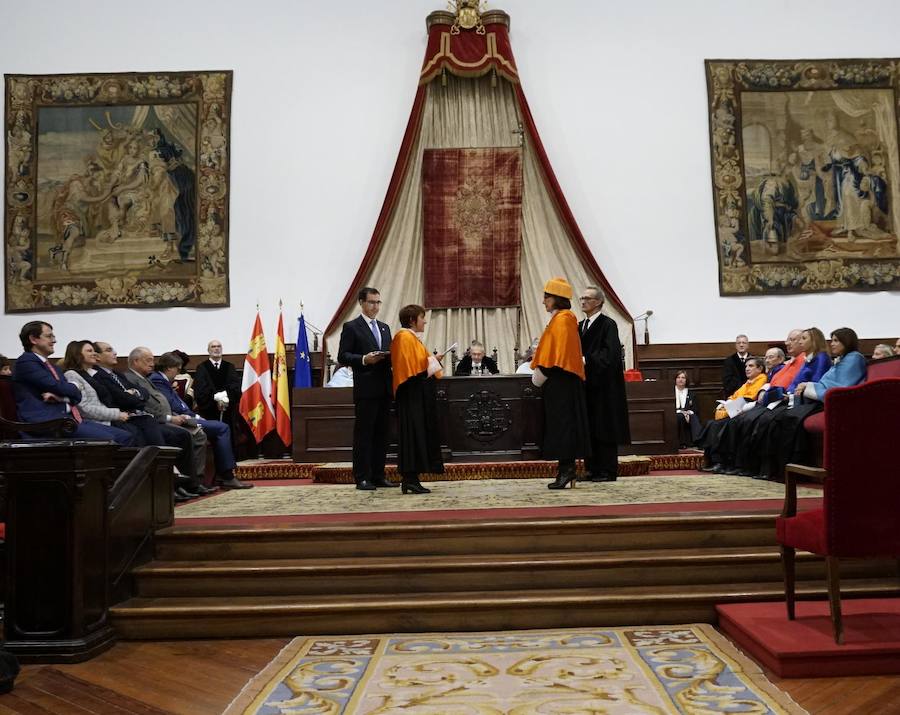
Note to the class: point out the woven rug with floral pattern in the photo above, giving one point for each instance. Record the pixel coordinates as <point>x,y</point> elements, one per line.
<point>654,669</point>
<point>482,494</point>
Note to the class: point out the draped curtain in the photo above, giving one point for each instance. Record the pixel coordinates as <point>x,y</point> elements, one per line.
<point>470,112</point>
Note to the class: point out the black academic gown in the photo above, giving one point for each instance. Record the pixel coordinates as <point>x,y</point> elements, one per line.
<point>419,443</point>
<point>208,380</point>
<point>605,391</point>
<point>734,374</point>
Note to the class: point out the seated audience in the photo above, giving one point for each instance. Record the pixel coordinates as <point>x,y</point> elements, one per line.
<point>5,366</point>
<point>710,436</point>
<point>140,367</point>
<point>686,408</point>
<point>343,377</point>
<point>897,347</point>
<point>882,350</point>
<point>733,366</point>
<point>183,382</point>
<point>787,440</point>
<point>42,393</point>
<point>122,393</point>
<point>167,367</point>
<point>476,362</point>
<point>80,366</point>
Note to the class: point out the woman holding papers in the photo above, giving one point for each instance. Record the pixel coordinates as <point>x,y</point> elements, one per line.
<point>559,371</point>
<point>415,372</point>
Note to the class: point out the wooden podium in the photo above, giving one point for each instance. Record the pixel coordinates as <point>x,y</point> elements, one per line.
<point>482,419</point>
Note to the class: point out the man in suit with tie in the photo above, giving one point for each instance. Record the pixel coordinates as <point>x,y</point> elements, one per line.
<point>129,397</point>
<point>42,392</point>
<point>605,386</point>
<point>218,433</point>
<point>365,346</point>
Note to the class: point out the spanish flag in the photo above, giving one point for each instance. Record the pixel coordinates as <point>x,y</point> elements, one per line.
<point>256,386</point>
<point>281,392</point>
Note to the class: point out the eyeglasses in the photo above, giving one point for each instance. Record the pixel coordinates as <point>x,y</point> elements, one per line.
<point>587,298</point>
<point>49,336</point>
<point>373,302</point>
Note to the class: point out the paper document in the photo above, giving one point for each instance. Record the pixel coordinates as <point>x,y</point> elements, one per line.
<point>734,407</point>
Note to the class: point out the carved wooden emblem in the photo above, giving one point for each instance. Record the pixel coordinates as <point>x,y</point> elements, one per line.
<point>486,416</point>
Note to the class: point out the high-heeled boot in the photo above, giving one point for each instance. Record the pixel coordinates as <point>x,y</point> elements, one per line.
<point>410,484</point>
<point>565,477</point>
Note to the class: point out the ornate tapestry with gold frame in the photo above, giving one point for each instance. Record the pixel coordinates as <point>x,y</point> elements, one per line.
<point>806,177</point>
<point>117,190</point>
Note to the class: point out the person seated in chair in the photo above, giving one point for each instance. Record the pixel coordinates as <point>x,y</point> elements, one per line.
<point>167,367</point>
<point>476,362</point>
<point>42,392</point>
<point>881,351</point>
<point>5,366</point>
<point>115,390</point>
<point>686,408</point>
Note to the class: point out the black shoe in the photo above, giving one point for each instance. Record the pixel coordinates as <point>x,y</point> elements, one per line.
<point>733,472</point>
<point>233,483</point>
<point>185,494</point>
<point>384,482</point>
<point>180,498</point>
<point>762,477</point>
<point>711,467</point>
<point>414,488</point>
<point>601,478</point>
<point>562,481</point>
<point>364,485</point>
<point>203,491</point>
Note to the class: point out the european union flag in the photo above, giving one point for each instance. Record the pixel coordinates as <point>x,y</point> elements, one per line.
<point>302,372</point>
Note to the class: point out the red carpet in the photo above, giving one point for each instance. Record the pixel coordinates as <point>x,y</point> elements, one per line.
<point>805,647</point>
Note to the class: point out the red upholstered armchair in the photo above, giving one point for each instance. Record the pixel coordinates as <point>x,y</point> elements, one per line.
<point>860,516</point>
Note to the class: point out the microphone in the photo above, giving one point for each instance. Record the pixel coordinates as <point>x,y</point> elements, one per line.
<point>643,316</point>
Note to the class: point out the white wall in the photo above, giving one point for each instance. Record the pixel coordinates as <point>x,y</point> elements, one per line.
<point>322,93</point>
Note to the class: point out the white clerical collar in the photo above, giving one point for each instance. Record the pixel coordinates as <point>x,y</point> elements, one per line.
<point>215,362</point>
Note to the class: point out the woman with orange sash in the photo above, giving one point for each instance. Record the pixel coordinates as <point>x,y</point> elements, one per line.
<point>558,367</point>
<point>415,371</point>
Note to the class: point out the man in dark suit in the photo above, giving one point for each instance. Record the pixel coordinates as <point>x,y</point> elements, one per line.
<point>42,392</point>
<point>119,391</point>
<point>476,362</point>
<point>734,367</point>
<point>605,386</point>
<point>365,346</point>
<point>213,377</point>
<point>218,433</point>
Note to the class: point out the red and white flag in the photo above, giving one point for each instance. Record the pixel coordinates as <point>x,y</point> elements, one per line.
<point>256,387</point>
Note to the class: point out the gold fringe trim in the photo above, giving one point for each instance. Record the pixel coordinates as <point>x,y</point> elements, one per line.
<point>343,474</point>
<point>660,462</point>
<point>275,470</point>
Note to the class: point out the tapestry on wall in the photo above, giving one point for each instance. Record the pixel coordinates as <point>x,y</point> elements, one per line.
<point>117,190</point>
<point>806,178</point>
<point>472,234</point>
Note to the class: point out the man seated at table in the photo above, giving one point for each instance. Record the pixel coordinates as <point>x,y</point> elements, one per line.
<point>476,362</point>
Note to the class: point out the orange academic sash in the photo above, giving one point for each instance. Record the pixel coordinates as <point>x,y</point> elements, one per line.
<point>408,357</point>
<point>560,345</point>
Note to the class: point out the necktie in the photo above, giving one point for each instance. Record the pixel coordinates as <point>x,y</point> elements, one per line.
<point>76,413</point>
<point>117,381</point>
<point>376,333</point>
<point>584,326</point>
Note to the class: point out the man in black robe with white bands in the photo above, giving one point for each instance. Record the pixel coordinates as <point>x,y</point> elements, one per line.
<point>605,386</point>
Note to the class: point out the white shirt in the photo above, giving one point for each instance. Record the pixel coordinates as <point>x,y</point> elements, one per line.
<point>680,398</point>
<point>590,322</point>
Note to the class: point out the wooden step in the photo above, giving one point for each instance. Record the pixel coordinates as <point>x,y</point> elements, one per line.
<point>257,616</point>
<point>511,536</point>
<point>410,574</point>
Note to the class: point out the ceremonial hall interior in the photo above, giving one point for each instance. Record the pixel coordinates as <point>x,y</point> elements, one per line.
<point>251,250</point>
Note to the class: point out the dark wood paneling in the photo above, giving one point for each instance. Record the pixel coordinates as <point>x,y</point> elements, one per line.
<point>323,420</point>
